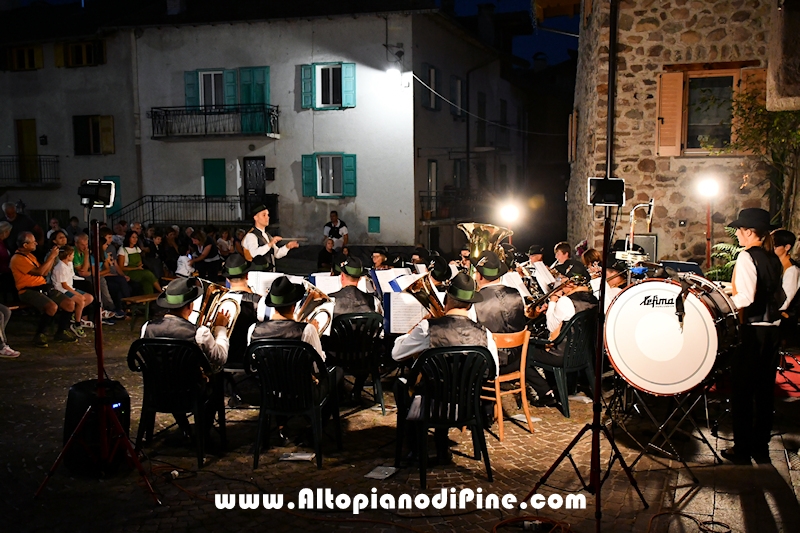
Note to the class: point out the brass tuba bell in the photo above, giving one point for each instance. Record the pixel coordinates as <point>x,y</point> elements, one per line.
<point>311,307</point>
<point>482,237</point>
<point>422,289</point>
<point>217,298</point>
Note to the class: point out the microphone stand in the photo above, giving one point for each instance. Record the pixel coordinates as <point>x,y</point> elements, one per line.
<point>111,432</point>
<point>596,427</point>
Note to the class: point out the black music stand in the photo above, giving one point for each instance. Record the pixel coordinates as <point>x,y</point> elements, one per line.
<point>111,433</point>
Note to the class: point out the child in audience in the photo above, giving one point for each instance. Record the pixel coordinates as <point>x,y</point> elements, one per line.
<point>62,277</point>
<point>185,268</point>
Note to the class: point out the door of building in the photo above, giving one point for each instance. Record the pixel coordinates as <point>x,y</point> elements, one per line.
<point>256,176</point>
<point>214,177</point>
<point>27,150</point>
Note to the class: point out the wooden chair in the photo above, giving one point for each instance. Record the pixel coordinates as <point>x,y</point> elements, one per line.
<point>509,340</point>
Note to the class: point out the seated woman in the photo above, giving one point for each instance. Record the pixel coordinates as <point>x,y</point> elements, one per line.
<point>225,243</point>
<point>208,263</point>
<point>129,262</point>
<point>325,256</point>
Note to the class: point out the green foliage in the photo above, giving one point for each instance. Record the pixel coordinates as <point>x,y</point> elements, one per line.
<point>726,252</point>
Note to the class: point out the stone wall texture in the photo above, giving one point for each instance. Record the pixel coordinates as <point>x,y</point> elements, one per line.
<point>653,34</point>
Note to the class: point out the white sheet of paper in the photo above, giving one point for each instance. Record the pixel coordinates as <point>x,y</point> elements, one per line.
<point>543,276</point>
<point>260,282</point>
<point>514,280</point>
<point>405,312</point>
<point>385,276</point>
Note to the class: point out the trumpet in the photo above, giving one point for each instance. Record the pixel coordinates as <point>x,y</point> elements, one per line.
<point>217,298</point>
<point>311,307</point>
<point>423,291</point>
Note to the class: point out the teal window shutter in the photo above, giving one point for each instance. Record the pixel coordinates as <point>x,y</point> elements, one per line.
<point>261,79</point>
<point>425,93</point>
<point>191,88</point>
<point>231,88</point>
<point>246,85</point>
<point>307,86</point>
<point>309,175</point>
<point>349,87</point>
<point>373,224</point>
<point>348,175</point>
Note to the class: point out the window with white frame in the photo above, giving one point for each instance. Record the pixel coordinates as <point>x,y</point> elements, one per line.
<point>212,89</point>
<point>329,175</point>
<point>329,85</point>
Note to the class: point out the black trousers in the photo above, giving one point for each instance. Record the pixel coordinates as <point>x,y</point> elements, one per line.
<point>542,385</point>
<point>753,371</point>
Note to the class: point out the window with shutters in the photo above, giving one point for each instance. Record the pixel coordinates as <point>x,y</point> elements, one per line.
<point>93,134</point>
<point>695,107</point>
<point>328,85</point>
<point>329,175</point>
<point>82,54</point>
<point>212,89</point>
<point>24,58</point>
<point>457,96</point>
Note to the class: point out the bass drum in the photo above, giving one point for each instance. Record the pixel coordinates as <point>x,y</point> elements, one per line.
<point>646,345</point>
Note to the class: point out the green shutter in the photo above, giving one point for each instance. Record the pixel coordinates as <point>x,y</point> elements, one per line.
<point>261,82</point>
<point>348,175</point>
<point>246,85</point>
<point>373,224</point>
<point>349,86</point>
<point>307,86</point>
<point>231,88</point>
<point>191,88</point>
<point>425,92</point>
<point>309,175</point>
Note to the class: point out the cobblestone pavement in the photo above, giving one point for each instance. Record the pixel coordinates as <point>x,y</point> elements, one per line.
<point>33,391</point>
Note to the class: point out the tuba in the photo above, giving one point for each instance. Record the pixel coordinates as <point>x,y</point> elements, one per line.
<point>312,305</point>
<point>422,289</point>
<point>482,237</point>
<point>217,298</point>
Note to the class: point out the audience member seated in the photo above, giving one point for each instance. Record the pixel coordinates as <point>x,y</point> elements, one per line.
<point>8,292</point>
<point>325,256</point>
<point>129,262</point>
<point>29,276</point>
<point>55,226</point>
<point>208,262</point>
<point>225,243</point>
<point>171,249</point>
<point>63,276</point>
<point>73,228</point>
<point>19,223</point>
<point>116,284</point>
<point>6,352</point>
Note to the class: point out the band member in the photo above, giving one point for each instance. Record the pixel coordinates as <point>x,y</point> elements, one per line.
<point>758,295</point>
<point>420,256</point>
<point>453,329</point>
<point>575,296</point>
<point>178,296</point>
<point>563,259</point>
<point>535,254</point>
<point>502,309</point>
<point>784,241</point>
<point>235,271</point>
<point>259,242</point>
<point>463,262</point>
<point>380,258</point>
<point>592,259</point>
<point>440,272</point>
<point>351,299</point>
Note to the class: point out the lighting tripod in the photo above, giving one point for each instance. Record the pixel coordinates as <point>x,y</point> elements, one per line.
<point>112,434</point>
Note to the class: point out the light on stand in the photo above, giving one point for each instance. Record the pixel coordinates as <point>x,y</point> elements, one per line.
<point>509,213</point>
<point>708,188</point>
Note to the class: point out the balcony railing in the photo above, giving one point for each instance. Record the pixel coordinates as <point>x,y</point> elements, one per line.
<point>34,171</point>
<point>449,204</point>
<point>194,210</point>
<point>240,120</point>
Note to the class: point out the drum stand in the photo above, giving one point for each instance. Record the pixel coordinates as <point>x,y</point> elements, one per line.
<point>784,367</point>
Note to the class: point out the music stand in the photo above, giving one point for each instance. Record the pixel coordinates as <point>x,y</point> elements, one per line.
<point>111,431</point>
<point>606,194</point>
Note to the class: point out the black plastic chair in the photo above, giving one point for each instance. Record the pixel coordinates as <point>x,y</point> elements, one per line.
<point>177,379</point>
<point>578,336</point>
<point>294,381</point>
<point>355,346</point>
<point>450,384</point>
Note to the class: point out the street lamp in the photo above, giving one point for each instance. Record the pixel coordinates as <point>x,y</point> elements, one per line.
<point>509,213</point>
<point>708,188</point>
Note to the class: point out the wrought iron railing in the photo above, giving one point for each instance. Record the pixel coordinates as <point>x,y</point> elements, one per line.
<point>192,210</point>
<point>211,121</point>
<point>455,204</point>
<point>29,171</point>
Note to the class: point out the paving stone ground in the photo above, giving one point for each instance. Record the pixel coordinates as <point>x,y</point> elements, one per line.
<point>33,391</point>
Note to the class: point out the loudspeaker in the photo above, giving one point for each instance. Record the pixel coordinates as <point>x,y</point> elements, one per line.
<point>83,457</point>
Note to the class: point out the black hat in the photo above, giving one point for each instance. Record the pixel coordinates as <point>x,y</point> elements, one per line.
<point>510,253</point>
<point>536,249</point>
<point>464,289</point>
<point>260,264</point>
<point>753,217</point>
<point>399,260</point>
<point>257,209</point>
<point>489,265</point>
<point>180,292</point>
<point>439,269</point>
<point>283,293</point>
<point>422,253</point>
<point>338,259</point>
<point>352,266</point>
<point>381,250</point>
<point>235,266</point>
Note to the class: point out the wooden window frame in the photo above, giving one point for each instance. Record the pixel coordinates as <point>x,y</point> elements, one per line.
<point>690,75</point>
<point>104,143</point>
<point>31,58</point>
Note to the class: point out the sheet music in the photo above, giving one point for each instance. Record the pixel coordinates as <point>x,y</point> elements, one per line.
<point>326,283</point>
<point>421,269</point>
<point>400,283</point>
<point>404,312</point>
<point>514,280</point>
<point>543,276</point>
<point>383,277</point>
<point>260,282</point>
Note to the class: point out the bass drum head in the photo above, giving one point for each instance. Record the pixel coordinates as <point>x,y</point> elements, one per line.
<point>645,343</point>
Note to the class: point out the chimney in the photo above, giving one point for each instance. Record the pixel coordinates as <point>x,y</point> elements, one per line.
<point>176,7</point>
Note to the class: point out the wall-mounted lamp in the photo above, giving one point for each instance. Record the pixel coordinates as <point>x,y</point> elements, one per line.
<point>43,140</point>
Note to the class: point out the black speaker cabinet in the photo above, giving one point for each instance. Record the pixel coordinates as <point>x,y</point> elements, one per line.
<point>84,455</point>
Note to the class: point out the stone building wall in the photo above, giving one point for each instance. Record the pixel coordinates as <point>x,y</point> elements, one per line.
<point>653,34</point>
